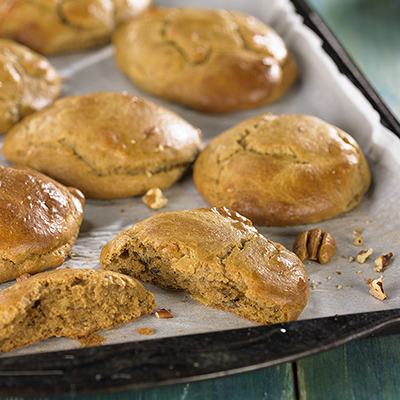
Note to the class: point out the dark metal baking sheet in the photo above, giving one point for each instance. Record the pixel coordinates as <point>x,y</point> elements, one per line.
<point>152,363</point>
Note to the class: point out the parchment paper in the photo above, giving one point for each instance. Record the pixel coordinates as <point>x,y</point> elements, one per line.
<point>338,287</point>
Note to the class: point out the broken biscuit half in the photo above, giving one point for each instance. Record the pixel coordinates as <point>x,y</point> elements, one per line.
<point>218,257</point>
<point>69,302</point>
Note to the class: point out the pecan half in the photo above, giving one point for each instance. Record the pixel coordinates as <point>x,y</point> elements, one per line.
<point>315,244</point>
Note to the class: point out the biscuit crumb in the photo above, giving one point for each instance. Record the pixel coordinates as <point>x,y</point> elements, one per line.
<point>163,313</point>
<point>351,259</point>
<point>358,241</point>
<point>90,340</point>
<point>145,331</point>
<point>357,231</point>
<point>376,289</point>
<point>340,287</point>
<point>155,199</point>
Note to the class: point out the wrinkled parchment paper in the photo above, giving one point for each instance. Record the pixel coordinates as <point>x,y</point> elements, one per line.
<point>338,287</point>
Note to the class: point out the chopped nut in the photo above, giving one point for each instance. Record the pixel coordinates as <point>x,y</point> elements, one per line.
<point>368,281</point>
<point>154,199</point>
<point>351,259</point>
<point>363,255</point>
<point>358,241</point>
<point>23,277</point>
<point>145,331</point>
<point>357,231</point>
<point>163,313</point>
<point>313,285</point>
<point>376,289</point>
<point>382,262</point>
<point>315,244</point>
<point>340,287</point>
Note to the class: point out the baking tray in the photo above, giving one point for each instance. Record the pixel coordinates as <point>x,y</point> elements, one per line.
<point>188,358</point>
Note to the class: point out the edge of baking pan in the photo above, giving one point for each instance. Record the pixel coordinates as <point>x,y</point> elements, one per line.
<point>159,362</point>
<point>177,360</point>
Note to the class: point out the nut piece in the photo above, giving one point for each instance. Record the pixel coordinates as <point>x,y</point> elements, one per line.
<point>23,277</point>
<point>376,289</point>
<point>154,199</point>
<point>382,261</point>
<point>358,241</point>
<point>163,313</point>
<point>315,244</point>
<point>363,255</point>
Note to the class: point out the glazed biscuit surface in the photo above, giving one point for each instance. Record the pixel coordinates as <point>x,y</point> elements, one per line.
<point>56,26</point>
<point>216,256</point>
<point>215,61</point>
<point>299,169</point>
<point>39,222</point>
<point>108,145</point>
<point>68,302</point>
<point>28,83</point>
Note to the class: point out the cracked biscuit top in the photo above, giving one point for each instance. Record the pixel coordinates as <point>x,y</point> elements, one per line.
<point>215,61</point>
<point>28,82</point>
<point>39,222</point>
<point>283,170</point>
<point>108,145</point>
<point>55,26</point>
<point>218,257</point>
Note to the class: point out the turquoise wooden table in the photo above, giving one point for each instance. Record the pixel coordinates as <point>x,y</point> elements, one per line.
<point>369,30</point>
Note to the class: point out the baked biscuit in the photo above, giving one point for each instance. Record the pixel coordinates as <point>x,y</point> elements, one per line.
<point>39,222</point>
<point>217,257</point>
<point>108,145</point>
<point>69,302</point>
<point>56,26</point>
<point>283,170</point>
<point>215,61</point>
<point>28,83</point>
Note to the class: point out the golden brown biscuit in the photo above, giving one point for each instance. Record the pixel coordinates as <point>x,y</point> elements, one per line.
<point>212,60</point>
<point>28,82</point>
<point>283,170</point>
<point>39,222</point>
<point>69,302</point>
<point>217,257</point>
<point>108,145</point>
<point>55,26</point>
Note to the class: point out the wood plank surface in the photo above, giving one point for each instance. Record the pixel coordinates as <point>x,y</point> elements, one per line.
<point>367,369</point>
